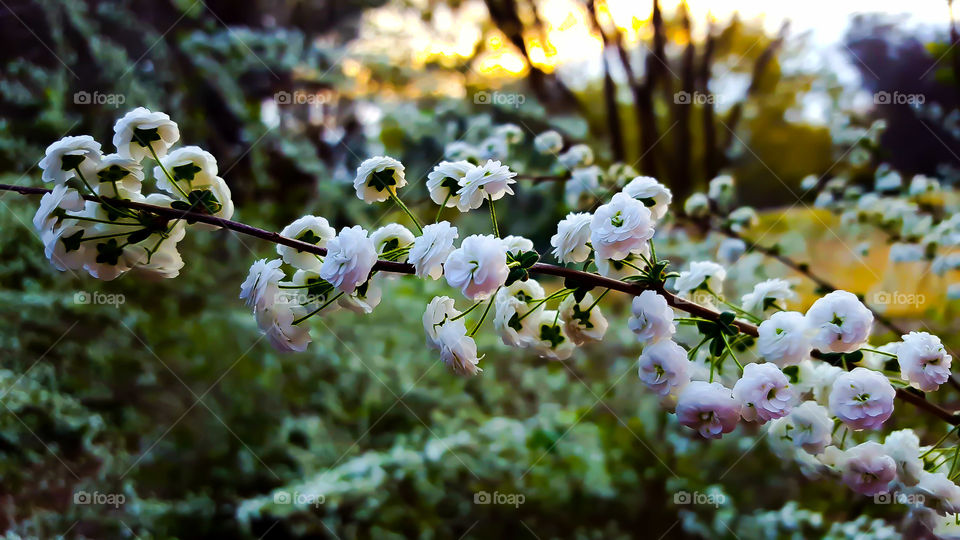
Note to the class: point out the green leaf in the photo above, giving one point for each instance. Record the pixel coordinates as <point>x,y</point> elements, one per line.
<point>71,161</point>
<point>72,242</point>
<point>582,317</point>
<point>139,236</point>
<point>552,334</point>
<point>187,171</point>
<point>113,173</point>
<point>381,180</point>
<point>109,252</point>
<point>793,373</point>
<point>144,137</point>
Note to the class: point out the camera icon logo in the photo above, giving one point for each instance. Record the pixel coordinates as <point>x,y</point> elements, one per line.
<point>82,98</point>
<point>282,497</point>
<point>81,298</point>
<point>682,98</point>
<point>883,498</point>
<point>481,497</point>
<point>482,97</point>
<point>681,497</point>
<point>882,98</point>
<point>81,497</point>
<point>283,98</point>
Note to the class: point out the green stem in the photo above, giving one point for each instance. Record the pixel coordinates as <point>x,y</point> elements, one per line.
<point>314,312</point>
<point>82,218</point>
<point>444,205</point>
<point>167,173</point>
<point>493,217</point>
<point>403,207</point>
<point>541,302</point>
<point>464,314</point>
<point>875,351</point>
<point>938,443</point>
<point>597,301</point>
<point>102,236</point>
<point>121,211</point>
<point>485,313</point>
<point>730,350</point>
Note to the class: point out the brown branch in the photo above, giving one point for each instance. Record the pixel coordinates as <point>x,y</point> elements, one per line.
<point>609,87</point>
<point>595,280</point>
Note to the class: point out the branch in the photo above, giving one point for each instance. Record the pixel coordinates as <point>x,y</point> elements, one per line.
<point>595,280</point>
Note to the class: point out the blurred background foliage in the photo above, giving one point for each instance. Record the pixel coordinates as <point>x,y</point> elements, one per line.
<point>173,400</point>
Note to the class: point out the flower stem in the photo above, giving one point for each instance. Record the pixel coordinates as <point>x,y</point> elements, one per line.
<point>444,205</point>
<point>485,313</point>
<point>464,314</point>
<point>403,207</point>
<point>493,217</point>
<point>938,443</point>
<point>875,351</point>
<point>167,173</point>
<point>314,312</point>
<point>597,301</point>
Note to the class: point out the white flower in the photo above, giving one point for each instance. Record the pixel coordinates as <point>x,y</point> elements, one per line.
<point>730,250</point>
<point>891,181</point>
<point>664,367</point>
<point>570,242</point>
<point>767,293</point>
<point>867,469</point>
<point>923,361</point>
<point>906,252</point>
<point>489,181</point>
<point>313,292</point>
<point>823,200</point>
<point>841,322</point>
<point>519,299</point>
<point>478,267</point>
<point>461,151</point>
<point>363,299</point>
<point>191,167</point>
<point>312,230</point>
<point>921,184</point>
<point>809,182</point>
<point>116,176</point>
<point>578,155</point>
<point>439,311</point>
<point>582,181</point>
<point>68,154</point>
<point>493,147</point>
<point>721,191</point>
<point>945,494</point>
<point>743,218</point>
<point>701,275</point>
<point>431,249</point>
<point>391,238</point>
<point>697,206</point>
<point>515,244</point>
<point>509,132</point>
<point>140,130</point>
<point>548,142</point>
<point>443,182</point>
<point>621,226</point>
<point>654,195</point>
<point>783,338</point>
<point>817,378</point>
<point>458,351</point>
<point>550,339</point>
<point>219,206</point>
<point>764,392</point>
<point>277,322</point>
<point>652,318</point>
<point>54,204</point>
<point>709,408</point>
<point>63,248</point>
<point>350,258</point>
<point>811,427</point>
<point>581,324</point>
<point>862,399</point>
<point>377,178</point>
<point>904,447</point>
<point>262,283</point>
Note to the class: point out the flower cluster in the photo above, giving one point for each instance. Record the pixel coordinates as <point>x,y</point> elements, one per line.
<point>83,221</point>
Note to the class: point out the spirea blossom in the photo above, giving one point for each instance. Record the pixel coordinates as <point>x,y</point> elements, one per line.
<point>862,399</point>
<point>578,155</point>
<point>867,469</point>
<point>142,133</point>
<point>840,322</point>
<point>621,226</point>
<point>767,294</point>
<point>764,392</point>
<point>68,154</point>
<point>443,182</point>
<point>654,195</point>
<point>312,230</point>
<point>350,258</point>
<point>478,267</point>
<point>810,426</point>
<point>378,178</point>
<point>923,361</point>
<point>573,235</point>
<point>431,248</point>
<point>390,241</point>
<point>709,408</point>
<point>438,312</point>
<point>548,142</point>
<point>783,338</point>
<point>54,205</point>
<point>651,318</point>
<point>701,275</point>
<point>904,447</point>
<point>664,367</point>
<point>489,181</point>
<point>458,351</point>
<point>583,321</point>
<point>261,286</point>
<point>697,206</point>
